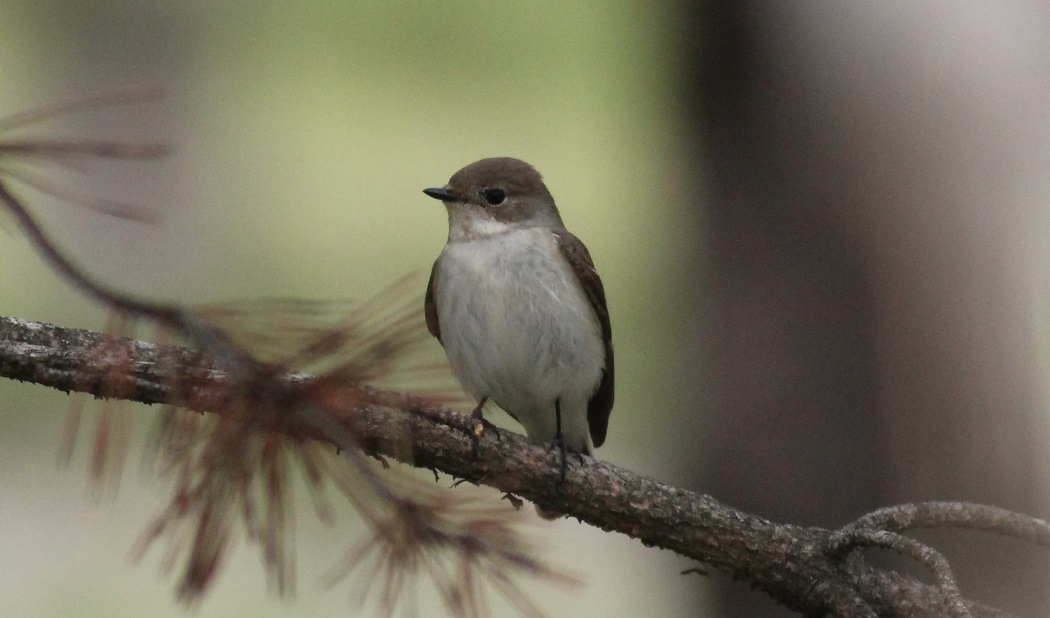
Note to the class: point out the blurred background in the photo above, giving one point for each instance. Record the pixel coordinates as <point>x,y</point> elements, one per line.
<point>821,227</point>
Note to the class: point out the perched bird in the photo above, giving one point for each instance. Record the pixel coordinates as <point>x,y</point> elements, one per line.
<point>519,308</point>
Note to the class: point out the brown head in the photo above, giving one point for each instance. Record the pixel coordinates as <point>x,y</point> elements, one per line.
<point>495,195</point>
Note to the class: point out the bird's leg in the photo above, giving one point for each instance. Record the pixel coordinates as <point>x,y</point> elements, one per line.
<point>479,425</point>
<point>559,439</point>
<point>559,442</point>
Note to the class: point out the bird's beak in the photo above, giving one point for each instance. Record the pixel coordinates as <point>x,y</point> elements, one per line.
<point>443,194</point>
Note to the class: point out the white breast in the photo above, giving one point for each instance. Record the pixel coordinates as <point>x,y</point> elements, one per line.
<point>518,328</point>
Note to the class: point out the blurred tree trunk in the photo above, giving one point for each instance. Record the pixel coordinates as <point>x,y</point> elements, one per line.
<point>875,226</point>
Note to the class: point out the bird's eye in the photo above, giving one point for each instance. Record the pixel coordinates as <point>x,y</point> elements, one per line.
<point>494,197</point>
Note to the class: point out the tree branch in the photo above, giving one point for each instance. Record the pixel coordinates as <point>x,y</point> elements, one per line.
<point>812,570</point>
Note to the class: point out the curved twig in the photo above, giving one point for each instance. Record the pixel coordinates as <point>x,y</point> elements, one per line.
<point>843,542</point>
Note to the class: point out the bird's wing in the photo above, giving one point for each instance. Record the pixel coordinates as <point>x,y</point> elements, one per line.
<point>430,307</point>
<point>600,406</point>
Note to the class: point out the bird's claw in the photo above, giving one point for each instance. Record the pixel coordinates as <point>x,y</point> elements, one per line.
<point>566,450</point>
<point>478,427</point>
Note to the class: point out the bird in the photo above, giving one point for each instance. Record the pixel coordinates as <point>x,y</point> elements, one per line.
<point>516,303</point>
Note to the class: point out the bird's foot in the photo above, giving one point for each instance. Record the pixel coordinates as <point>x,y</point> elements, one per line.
<point>479,426</point>
<point>566,450</point>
